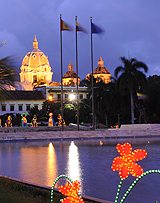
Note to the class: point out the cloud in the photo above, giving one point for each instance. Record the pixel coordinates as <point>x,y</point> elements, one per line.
<point>131,29</point>
<point>12,46</point>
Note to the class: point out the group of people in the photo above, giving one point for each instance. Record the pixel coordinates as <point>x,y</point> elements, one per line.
<point>34,123</point>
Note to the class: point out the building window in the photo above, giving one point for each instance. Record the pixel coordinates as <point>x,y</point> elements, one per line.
<point>81,96</point>
<point>28,107</point>
<point>59,96</point>
<point>36,106</point>
<point>20,107</point>
<point>3,107</point>
<point>35,78</point>
<point>66,96</point>
<point>11,107</point>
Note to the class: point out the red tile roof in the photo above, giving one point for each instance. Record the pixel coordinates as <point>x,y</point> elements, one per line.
<point>21,95</point>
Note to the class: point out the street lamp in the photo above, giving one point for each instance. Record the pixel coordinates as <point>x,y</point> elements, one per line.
<point>72,97</point>
<point>50,97</point>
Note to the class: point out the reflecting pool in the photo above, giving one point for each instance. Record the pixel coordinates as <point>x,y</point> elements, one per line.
<point>87,161</point>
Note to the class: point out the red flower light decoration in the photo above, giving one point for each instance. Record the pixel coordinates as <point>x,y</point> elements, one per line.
<point>125,163</point>
<point>71,191</point>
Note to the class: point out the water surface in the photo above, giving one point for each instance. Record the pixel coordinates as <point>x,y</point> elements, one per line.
<point>89,162</point>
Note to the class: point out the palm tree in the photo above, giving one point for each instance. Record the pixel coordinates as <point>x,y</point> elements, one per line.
<point>131,76</point>
<point>7,76</point>
<point>7,72</point>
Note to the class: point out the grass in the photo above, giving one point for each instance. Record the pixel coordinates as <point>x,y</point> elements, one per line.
<point>15,192</point>
<point>12,191</point>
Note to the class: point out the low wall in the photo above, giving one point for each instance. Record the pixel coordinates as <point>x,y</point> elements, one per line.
<point>31,189</point>
<point>144,133</point>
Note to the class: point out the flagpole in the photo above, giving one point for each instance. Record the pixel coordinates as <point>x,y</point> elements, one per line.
<point>93,109</point>
<point>61,64</point>
<point>77,76</point>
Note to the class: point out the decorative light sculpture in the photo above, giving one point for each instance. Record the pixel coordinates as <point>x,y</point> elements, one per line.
<point>51,121</point>
<point>34,121</point>
<point>70,190</point>
<point>60,121</point>
<point>8,122</point>
<point>126,165</point>
<point>24,120</point>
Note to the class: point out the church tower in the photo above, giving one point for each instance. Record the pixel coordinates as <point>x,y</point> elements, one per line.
<point>70,77</point>
<point>101,72</point>
<point>35,69</point>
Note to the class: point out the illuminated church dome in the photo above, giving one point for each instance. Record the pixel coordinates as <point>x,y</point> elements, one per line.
<point>35,67</point>
<point>70,77</point>
<point>101,69</point>
<point>102,72</point>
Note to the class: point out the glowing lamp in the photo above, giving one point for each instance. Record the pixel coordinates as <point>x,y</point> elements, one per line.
<point>50,98</point>
<point>72,97</point>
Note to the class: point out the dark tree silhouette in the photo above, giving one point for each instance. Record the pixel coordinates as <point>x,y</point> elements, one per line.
<point>131,77</point>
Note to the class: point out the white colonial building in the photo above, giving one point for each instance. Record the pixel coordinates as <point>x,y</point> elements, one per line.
<point>69,93</point>
<point>20,101</point>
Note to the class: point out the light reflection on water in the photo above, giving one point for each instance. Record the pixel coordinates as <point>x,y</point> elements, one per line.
<point>73,164</point>
<point>42,162</point>
<point>51,164</point>
<point>38,164</point>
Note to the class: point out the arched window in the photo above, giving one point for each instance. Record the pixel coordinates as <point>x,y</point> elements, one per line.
<point>35,78</point>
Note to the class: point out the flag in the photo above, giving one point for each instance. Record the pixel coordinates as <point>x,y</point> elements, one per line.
<point>79,28</point>
<point>64,26</point>
<point>96,29</point>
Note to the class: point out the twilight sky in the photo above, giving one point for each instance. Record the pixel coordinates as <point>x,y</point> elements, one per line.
<point>131,29</point>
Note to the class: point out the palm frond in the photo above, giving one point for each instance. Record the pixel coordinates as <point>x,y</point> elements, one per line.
<point>123,59</point>
<point>118,70</point>
<point>141,65</point>
<point>7,72</point>
<point>133,60</point>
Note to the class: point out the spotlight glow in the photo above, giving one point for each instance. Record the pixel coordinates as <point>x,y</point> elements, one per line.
<point>72,97</point>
